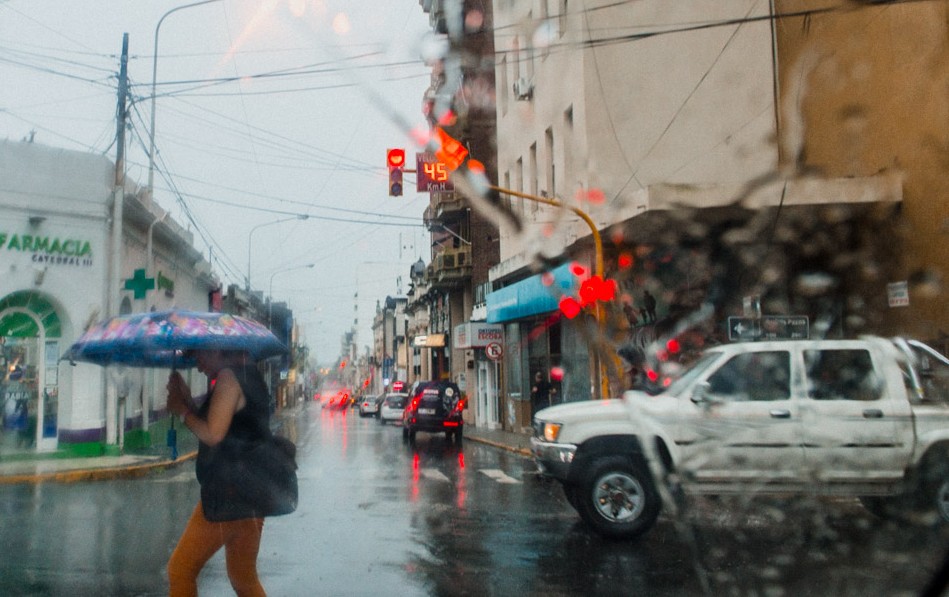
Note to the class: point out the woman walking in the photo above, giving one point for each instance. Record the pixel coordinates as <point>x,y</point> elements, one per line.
<point>238,409</point>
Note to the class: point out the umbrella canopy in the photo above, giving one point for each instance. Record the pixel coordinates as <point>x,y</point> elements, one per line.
<point>161,339</point>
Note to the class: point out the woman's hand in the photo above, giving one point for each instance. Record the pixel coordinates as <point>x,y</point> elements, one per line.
<point>179,394</point>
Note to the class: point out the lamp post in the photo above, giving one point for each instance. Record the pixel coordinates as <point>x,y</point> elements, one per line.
<point>602,387</point>
<point>281,271</point>
<point>151,132</point>
<point>284,333</point>
<point>250,239</point>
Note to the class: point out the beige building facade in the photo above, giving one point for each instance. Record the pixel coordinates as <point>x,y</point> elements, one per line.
<point>756,156</point>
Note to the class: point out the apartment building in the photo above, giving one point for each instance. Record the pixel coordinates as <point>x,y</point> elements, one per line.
<point>738,158</point>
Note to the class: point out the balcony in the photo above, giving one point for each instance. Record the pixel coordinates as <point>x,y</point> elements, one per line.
<point>444,207</point>
<point>451,268</point>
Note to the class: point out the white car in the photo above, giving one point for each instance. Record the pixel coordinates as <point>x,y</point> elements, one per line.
<point>392,407</point>
<point>369,406</point>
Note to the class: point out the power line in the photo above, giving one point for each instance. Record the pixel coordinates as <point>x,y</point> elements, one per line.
<point>303,203</point>
<point>308,216</point>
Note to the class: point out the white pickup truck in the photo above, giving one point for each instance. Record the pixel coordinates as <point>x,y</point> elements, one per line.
<point>867,418</point>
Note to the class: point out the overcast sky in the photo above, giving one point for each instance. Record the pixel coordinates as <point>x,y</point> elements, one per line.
<point>265,110</point>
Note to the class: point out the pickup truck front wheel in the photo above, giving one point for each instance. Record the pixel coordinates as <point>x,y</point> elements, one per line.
<point>618,498</point>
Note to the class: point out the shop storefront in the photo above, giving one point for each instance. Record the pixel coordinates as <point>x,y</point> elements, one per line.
<point>483,346</point>
<point>538,340</point>
<point>54,282</point>
<point>52,279</point>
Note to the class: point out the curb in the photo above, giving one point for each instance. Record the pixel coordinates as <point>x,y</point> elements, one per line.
<point>97,474</point>
<point>520,451</point>
<point>141,470</point>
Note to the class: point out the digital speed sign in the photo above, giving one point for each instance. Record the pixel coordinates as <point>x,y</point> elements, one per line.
<point>431,174</point>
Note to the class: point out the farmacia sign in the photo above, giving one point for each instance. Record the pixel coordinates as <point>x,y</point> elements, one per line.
<point>49,249</point>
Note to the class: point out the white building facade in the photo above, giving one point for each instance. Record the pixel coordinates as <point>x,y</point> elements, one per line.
<point>55,258</point>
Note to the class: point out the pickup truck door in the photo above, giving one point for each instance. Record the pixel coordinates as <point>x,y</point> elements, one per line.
<point>858,421</point>
<point>742,422</point>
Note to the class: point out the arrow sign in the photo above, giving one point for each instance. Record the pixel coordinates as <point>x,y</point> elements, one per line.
<point>769,327</point>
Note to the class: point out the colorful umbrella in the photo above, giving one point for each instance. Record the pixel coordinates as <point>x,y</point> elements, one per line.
<point>161,339</point>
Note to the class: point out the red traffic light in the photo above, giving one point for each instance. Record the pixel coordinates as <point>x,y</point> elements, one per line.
<point>395,158</point>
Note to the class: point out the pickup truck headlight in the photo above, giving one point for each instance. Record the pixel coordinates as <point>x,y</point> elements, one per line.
<point>551,431</point>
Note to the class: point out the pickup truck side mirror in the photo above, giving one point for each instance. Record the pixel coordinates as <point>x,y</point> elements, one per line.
<point>701,393</point>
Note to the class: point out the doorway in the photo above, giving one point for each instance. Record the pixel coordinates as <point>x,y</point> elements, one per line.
<point>29,384</point>
<point>488,414</point>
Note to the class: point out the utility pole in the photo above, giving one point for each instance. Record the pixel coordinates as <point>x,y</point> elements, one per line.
<point>113,425</point>
<point>118,188</point>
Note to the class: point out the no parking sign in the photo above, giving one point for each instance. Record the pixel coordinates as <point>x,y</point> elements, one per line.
<point>493,351</point>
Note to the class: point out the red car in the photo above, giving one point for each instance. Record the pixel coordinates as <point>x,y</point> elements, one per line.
<point>339,400</point>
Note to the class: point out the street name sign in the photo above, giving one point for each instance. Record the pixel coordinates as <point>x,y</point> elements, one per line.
<point>769,327</point>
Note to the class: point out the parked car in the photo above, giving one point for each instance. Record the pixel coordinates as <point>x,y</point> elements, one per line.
<point>435,407</point>
<point>392,407</point>
<point>379,400</point>
<point>369,406</point>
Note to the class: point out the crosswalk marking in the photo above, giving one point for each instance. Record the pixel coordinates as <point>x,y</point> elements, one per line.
<point>496,474</point>
<point>434,474</point>
<point>499,475</point>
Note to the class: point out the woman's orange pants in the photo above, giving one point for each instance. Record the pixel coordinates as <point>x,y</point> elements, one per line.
<point>201,539</point>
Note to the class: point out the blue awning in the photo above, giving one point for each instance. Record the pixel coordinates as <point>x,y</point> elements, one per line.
<point>531,296</point>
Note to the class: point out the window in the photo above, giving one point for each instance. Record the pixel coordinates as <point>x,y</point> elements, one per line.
<point>933,374</point>
<point>760,376</point>
<point>563,17</point>
<point>505,89</point>
<point>567,141</point>
<point>517,205</point>
<point>481,293</point>
<point>533,175</point>
<point>841,375</point>
<point>549,147</point>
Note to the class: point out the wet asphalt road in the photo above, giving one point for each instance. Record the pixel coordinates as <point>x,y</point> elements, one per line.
<point>380,517</point>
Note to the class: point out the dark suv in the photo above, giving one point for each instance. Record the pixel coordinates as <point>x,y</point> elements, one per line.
<point>434,407</point>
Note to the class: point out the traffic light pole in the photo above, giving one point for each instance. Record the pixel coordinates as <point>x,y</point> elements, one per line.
<point>602,380</point>
<point>454,154</point>
<point>594,232</point>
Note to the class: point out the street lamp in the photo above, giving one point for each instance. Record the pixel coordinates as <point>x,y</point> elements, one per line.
<point>151,132</point>
<point>281,271</point>
<point>250,238</point>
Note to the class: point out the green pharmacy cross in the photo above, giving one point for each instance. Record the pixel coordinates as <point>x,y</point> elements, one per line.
<point>139,284</point>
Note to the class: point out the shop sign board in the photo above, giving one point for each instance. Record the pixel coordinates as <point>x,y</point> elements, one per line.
<point>475,334</point>
<point>429,341</point>
<point>897,294</point>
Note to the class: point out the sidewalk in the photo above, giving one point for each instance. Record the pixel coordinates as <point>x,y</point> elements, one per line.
<point>71,470</point>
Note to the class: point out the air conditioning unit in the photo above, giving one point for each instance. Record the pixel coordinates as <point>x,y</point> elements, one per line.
<point>523,89</point>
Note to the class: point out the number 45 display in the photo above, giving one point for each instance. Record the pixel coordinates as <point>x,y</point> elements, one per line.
<point>431,174</point>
